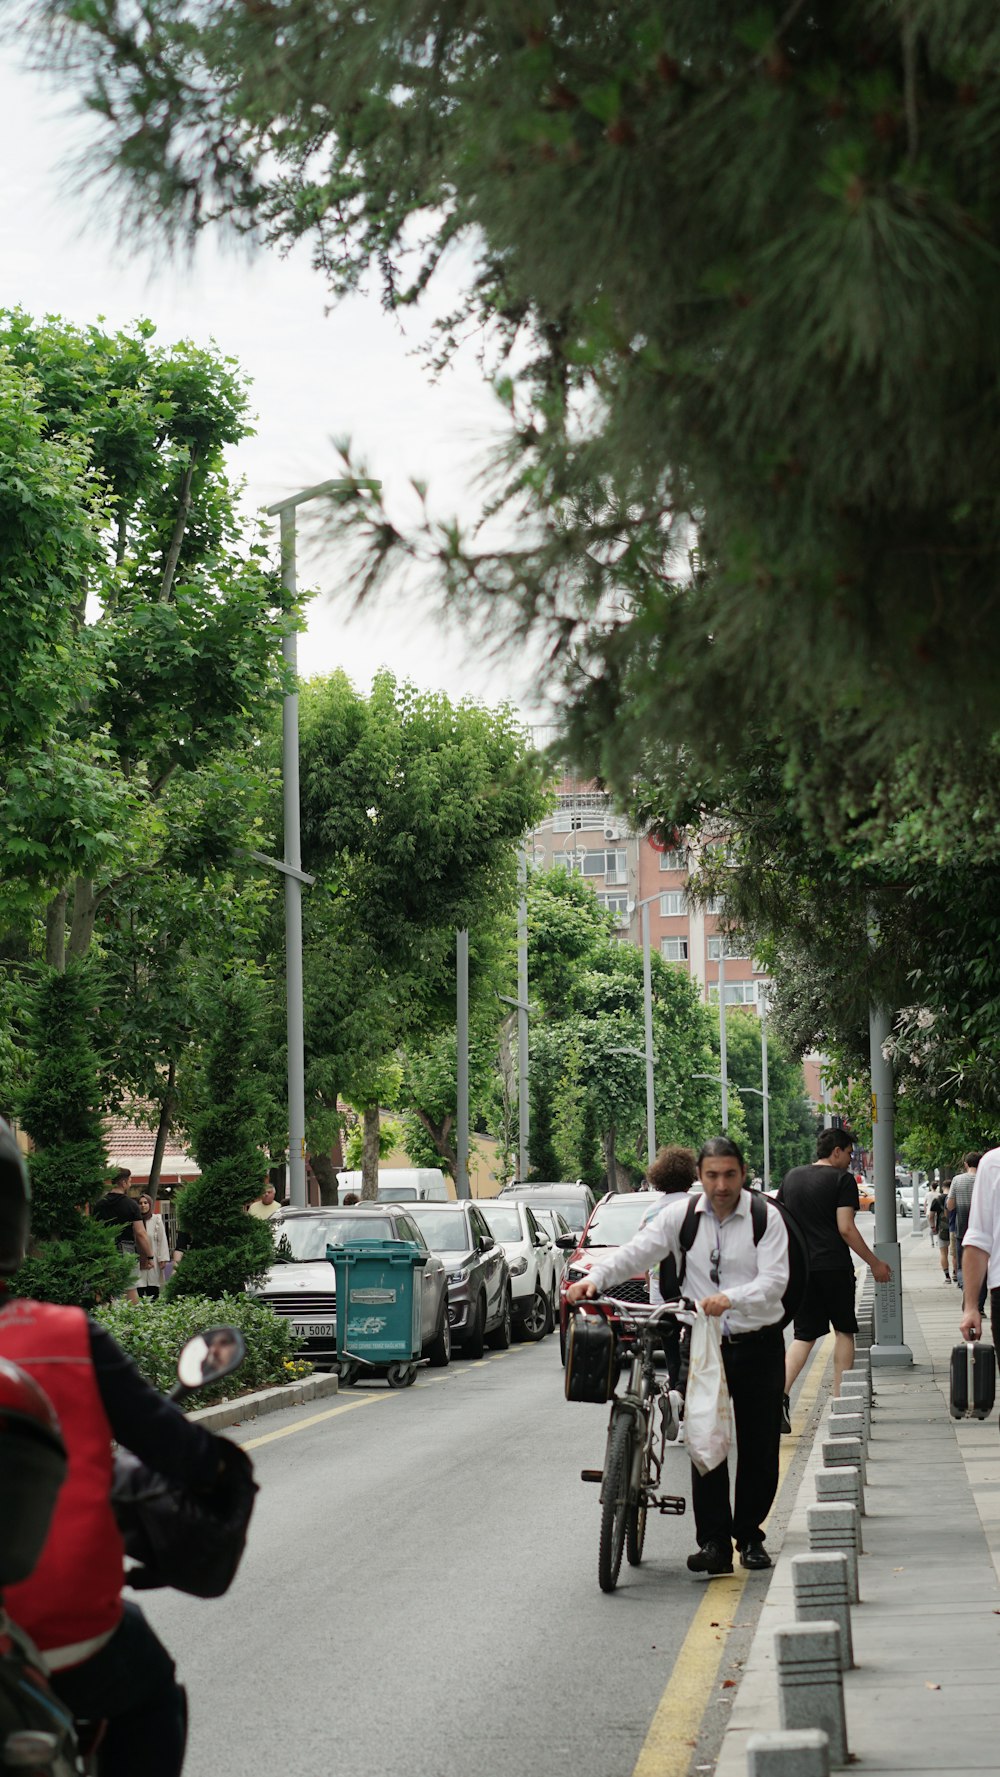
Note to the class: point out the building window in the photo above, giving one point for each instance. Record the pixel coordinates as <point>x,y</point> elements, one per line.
<point>612,865</point>
<point>738,993</point>
<point>674,950</point>
<point>715,905</point>
<point>677,859</point>
<point>616,904</point>
<point>673,904</point>
<point>715,947</point>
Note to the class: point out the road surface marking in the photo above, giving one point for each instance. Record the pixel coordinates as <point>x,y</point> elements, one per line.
<point>361,1400</point>
<point>674,1728</point>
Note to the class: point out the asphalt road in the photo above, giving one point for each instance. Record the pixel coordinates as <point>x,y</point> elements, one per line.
<point>420,1593</point>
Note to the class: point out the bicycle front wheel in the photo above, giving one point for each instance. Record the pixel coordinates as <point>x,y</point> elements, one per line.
<point>635,1523</point>
<point>615,1505</point>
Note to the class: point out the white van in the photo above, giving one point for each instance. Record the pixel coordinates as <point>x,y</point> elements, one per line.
<point>402,1184</point>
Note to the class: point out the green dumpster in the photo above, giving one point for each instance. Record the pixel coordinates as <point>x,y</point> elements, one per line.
<point>378,1308</point>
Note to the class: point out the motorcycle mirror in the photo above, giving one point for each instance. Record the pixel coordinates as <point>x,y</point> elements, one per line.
<point>210,1355</point>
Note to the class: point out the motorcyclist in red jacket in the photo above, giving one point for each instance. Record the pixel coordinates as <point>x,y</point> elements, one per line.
<point>107,1663</point>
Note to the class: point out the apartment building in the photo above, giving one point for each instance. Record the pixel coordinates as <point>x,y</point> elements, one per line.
<point>587,835</point>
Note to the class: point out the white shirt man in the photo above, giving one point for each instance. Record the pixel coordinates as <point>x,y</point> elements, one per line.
<point>981,1249</point>
<point>729,1277</point>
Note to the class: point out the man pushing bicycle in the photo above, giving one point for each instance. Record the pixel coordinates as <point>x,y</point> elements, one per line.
<point>737,1269</point>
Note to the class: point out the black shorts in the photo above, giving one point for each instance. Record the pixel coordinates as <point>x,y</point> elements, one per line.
<point>828,1302</point>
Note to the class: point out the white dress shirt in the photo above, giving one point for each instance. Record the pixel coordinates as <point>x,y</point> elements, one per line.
<point>753,1277</point>
<point>984,1214</point>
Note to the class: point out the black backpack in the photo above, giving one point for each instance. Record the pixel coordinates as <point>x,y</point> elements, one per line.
<point>672,1278</point>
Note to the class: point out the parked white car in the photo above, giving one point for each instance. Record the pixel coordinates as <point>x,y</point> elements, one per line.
<point>533,1261</point>
<point>554,1224</point>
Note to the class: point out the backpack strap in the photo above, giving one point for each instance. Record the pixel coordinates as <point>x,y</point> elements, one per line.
<point>758,1216</point>
<point>686,1237</point>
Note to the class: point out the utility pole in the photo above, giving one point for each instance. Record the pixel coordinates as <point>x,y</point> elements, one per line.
<point>291,868</point>
<point>723,1068</point>
<point>889,1347</point>
<point>462,1122</point>
<point>647,1005</point>
<point>523,1163</point>
<point>765,1097</point>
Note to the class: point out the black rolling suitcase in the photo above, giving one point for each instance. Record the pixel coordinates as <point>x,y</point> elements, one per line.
<point>973,1381</point>
<point>591,1359</point>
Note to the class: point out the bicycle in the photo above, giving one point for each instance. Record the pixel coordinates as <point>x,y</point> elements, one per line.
<point>633,1463</point>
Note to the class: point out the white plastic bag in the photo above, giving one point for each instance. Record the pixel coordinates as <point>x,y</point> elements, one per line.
<point>707,1415</point>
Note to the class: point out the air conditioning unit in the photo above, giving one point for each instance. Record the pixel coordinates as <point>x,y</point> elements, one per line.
<point>614,830</point>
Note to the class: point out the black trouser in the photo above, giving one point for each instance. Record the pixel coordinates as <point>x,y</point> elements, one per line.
<point>130,1684</point>
<point>755,1373</point>
<point>994,1314</point>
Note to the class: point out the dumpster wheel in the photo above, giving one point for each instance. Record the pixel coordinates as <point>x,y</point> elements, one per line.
<point>401,1375</point>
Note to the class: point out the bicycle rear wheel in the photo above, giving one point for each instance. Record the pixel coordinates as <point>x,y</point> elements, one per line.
<point>615,1505</point>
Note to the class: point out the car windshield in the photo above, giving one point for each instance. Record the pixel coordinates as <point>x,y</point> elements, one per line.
<point>505,1224</point>
<point>443,1230</point>
<point>309,1236</point>
<point>615,1222</point>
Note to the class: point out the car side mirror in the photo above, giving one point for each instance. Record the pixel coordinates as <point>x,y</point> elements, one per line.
<point>568,1242</point>
<point>486,1243</point>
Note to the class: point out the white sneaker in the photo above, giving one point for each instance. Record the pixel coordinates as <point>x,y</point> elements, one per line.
<point>670,1415</point>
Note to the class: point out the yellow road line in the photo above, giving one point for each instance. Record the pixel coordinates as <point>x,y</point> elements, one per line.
<point>667,1748</point>
<point>361,1400</point>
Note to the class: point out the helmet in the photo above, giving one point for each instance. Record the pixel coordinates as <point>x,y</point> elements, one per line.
<point>15,1200</point>
<point>32,1470</point>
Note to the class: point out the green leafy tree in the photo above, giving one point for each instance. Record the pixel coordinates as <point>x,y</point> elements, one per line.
<point>230,1135</point>
<point>793,212</point>
<point>71,1259</point>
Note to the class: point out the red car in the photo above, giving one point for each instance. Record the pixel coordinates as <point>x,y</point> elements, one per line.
<point>615,1219</point>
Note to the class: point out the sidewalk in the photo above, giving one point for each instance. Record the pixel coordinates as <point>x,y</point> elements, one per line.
<point>925,1697</point>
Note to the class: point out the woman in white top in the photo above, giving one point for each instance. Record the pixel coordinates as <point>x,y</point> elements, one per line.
<point>150,1281</point>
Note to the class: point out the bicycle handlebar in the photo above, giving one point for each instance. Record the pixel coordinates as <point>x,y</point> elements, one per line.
<point>640,1311</point>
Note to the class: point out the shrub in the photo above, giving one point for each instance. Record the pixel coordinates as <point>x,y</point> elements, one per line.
<point>152,1332</point>
<point>72,1259</point>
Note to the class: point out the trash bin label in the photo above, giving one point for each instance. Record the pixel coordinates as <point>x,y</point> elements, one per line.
<point>373,1297</point>
<point>366,1328</point>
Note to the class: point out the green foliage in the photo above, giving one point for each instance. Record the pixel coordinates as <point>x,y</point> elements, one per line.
<point>153,1333</point>
<point>792,1120</point>
<point>391,1135</point>
<point>752,458</point>
<point>72,1259</point>
<point>228,1248</point>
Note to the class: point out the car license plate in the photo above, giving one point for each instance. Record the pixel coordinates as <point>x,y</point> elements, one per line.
<point>315,1329</point>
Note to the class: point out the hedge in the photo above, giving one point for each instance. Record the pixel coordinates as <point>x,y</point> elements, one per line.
<point>152,1332</point>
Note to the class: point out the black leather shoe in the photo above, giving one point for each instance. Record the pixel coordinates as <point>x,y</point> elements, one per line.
<point>713,1558</point>
<point>754,1556</point>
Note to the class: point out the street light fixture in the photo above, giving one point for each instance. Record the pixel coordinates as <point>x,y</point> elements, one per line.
<point>291,868</point>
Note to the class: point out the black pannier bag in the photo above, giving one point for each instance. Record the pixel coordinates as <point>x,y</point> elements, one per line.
<point>591,1359</point>
<point>973,1381</point>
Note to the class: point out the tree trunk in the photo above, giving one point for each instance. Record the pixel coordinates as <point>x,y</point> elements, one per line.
<point>610,1163</point>
<point>439,1132</point>
<point>369,1153</point>
<point>162,1131</point>
<point>174,552</point>
<point>55,932</point>
<point>84,914</point>
<point>326,1177</point>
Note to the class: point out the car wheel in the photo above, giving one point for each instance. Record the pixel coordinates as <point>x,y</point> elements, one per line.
<point>474,1342</point>
<point>439,1349</point>
<point>535,1317</point>
<point>499,1339</point>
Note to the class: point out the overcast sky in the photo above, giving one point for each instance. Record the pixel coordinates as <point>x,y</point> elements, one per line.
<point>316,377</point>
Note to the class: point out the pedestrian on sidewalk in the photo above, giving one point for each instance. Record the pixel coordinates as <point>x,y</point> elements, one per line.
<point>937,1215</point>
<point>959,1205</point>
<point>151,1281</point>
<point>824,1200</point>
<point>743,1284</point>
<point>981,1251</point>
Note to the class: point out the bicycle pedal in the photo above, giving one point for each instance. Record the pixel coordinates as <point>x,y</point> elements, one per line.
<point>672,1505</point>
<point>592,1474</point>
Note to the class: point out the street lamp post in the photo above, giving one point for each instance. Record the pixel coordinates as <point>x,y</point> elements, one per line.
<point>462,1081</point>
<point>723,1058</point>
<point>286,510</point>
<point>765,1094</point>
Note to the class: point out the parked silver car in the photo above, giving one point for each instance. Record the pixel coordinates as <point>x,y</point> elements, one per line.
<point>302,1283</point>
<point>479,1290</point>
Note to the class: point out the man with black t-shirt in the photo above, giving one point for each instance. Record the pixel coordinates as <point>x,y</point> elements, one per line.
<point>823,1198</point>
<point>121,1212</point>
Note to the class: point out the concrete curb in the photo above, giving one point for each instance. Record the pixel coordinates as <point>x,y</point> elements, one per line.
<point>266,1400</point>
